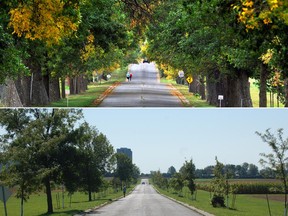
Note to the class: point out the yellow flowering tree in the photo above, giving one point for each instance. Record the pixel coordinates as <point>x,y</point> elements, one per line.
<point>271,19</point>
<point>46,20</point>
<point>257,13</point>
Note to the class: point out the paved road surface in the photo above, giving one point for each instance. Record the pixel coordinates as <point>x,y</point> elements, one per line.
<point>144,201</point>
<point>144,90</point>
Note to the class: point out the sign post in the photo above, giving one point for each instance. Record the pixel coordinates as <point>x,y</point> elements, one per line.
<point>67,89</point>
<point>189,79</point>
<point>181,76</point>
<point>220,98</point>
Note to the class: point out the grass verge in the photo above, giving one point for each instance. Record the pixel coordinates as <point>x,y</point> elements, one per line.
<point>94,91</point>
<point>246,205</point>
<point>254,91</point>
<point>197,102</point>
<point>194,101</point>
<point>36,205</point>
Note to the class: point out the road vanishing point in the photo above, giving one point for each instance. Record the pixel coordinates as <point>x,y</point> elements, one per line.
<point>144,90</point>
<point>144,201</point>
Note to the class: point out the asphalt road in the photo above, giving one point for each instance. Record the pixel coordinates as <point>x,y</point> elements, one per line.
<point>144,201</point>
<point>144,90</point>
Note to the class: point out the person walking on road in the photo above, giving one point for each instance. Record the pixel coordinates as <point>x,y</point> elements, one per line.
<point>128,76</point>
<point>124,190</point>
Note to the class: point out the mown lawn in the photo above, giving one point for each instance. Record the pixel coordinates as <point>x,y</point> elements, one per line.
<point>197,102</point>
<point>246,205</point>
<point>94,91</point>
<point>254,91</point>
<point>194,101</point>
<point>36,204</point>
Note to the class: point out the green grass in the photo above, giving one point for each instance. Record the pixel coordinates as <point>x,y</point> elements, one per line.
<point>254,91</point>
<point>194,101</point>
<point>197,102</point>
<point>36,205</point>
<point>95,90</point>
<point>86,99</point>
<point>246,205</point>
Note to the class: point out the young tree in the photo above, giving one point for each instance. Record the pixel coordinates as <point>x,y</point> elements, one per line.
<point>171,171</point>
<point>277,160</point>
<point>177,183</point>
<point>218,185</point>
<point>188,173</point>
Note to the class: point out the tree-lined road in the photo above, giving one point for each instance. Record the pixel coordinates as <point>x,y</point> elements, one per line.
<point>144,201</point>
<point>144,90</point>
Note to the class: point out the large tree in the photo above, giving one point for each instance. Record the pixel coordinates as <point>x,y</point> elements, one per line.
<point>33,145</point>
<point>43,42</point>
<point>124,168</point>
<point>94,152</point>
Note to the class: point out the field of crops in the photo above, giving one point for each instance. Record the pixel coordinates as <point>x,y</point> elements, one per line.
<point>247,186</point>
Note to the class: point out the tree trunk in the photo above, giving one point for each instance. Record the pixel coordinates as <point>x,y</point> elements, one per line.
<point>73,86</point>
<point>22,201</point>
<point>215,87</point>
<point>39,93</point>
<point>54,89</point>
<point>237,90</point>
<point>49,195</point>
<point>202,88</point>
<point>9,95</point>
<point>46,80</point>
<point>63,94</point>
<point>234,88</point>
<point>263,86</point>
<point>286,91</point>
<point>193,87</point>
<point>22,85</point>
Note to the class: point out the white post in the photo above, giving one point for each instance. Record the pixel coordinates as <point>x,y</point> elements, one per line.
<point>220,98</point>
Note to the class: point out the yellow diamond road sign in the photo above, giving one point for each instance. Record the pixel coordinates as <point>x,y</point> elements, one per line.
<point>189,79</point>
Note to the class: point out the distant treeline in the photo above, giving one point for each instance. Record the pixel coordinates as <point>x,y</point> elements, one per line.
<point>245,170</point>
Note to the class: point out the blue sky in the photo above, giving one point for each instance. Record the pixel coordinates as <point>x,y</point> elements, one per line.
<point>160,138</point>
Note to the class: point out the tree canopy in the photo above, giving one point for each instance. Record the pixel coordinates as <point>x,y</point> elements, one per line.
<point>44,146</point>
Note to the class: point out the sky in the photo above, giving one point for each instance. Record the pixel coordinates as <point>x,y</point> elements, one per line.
<point>160,138</point>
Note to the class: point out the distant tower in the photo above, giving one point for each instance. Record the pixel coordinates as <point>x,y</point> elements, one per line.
<point>125,151</point>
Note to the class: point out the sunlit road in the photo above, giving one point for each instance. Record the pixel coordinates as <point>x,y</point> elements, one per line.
<point>144,90</point>
<point>144,201</point>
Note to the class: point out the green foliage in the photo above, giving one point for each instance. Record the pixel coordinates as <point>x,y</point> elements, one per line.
<point>177,183</point>
<point>46,146</point>
<point>248,187</point>
<point>278,159</point>
<point>11,58</point>
<point>188,173</point>
<point>125,169</point>
<point>159,180</point>
<point>218,201</point>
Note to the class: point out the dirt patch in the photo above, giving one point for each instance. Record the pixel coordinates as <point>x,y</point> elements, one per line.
<point>274,197</point>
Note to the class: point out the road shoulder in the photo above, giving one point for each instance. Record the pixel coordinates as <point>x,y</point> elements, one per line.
<point>185,204</point>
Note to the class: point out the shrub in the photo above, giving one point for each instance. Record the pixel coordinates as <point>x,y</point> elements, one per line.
<point>217,201</point>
